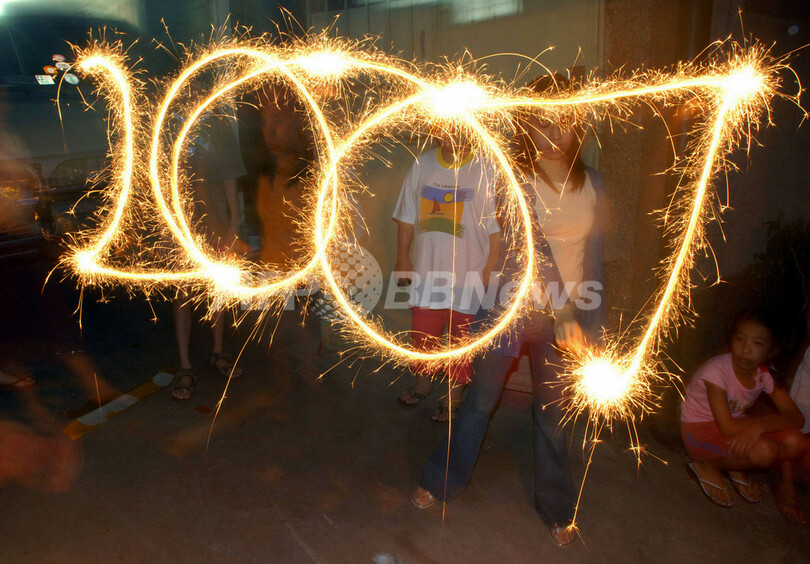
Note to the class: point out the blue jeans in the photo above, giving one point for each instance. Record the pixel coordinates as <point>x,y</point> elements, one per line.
<point>554,493</point>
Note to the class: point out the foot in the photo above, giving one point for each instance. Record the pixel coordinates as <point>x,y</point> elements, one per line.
<point>789,505</point>
<point>224,365</point>
<point>422,498</point>
<point>413,395</point>
<point>183,384</point>
<point>711,482</point>
<point>746,487</point>
<point>563,534</point>
<point>11,382</point>
<point>443,414</point>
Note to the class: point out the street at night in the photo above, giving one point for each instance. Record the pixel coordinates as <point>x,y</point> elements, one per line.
<point>404,281</point>
<point>301,469</point>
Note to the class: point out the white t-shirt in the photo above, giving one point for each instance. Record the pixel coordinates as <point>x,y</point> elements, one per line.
<point>800,389</point>
<point>566,218</point>
<point>453,214</point>
<point>719,371</point>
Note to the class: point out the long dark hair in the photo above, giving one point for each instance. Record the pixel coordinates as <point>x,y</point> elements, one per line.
<point>525,151</point>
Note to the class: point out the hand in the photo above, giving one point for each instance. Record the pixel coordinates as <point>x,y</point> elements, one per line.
<point>405,267</point>
<point>567,332</point>
<point>486,274</point>
<point>741,444</point>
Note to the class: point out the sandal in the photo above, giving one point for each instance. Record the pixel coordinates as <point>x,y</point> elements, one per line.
<point>563,534</point>
<point>224,365</point>
<point>443,414</point>
<point>747,489</point>
<point>422,498</point>
<point>412,395</point>
<point>183,384</point>
<point>702,482</point>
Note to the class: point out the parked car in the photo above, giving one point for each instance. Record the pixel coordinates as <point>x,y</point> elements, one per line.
<point>48,153</point>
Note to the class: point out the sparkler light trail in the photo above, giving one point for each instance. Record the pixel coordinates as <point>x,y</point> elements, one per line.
<point>149,211</point>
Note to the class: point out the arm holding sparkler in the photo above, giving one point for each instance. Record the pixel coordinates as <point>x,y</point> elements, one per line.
<point>567,330</point>
<point>563,197</point>
<point>582,319</point>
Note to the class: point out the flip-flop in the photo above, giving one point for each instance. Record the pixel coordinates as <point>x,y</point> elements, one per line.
<point>422,498</point>
<point>740,484</point>
<point>412,394</point>
<point>703,483</point>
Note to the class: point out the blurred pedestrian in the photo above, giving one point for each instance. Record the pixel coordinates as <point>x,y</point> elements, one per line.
<point>214,164</point>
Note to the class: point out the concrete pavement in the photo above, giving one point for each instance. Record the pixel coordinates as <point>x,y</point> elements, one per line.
<point>297,468</point>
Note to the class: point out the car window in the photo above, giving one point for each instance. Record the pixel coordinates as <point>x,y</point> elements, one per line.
<point>39,38</point>
<point>9,63</point>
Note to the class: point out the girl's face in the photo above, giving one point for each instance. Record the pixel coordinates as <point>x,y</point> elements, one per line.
<point>750,345</point>
<point>452,138</point>
<point>551,141</point>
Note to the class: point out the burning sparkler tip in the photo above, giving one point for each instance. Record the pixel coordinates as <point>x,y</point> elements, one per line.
<point>457,98</point>
<point>745,83</point>
<point>326,64</point>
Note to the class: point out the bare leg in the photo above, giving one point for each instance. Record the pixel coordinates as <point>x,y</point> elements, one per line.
<point>786,494</point>
<point>450,404</point>
<point>791,449</point>
<point>428,327</point>
<point>457,394</point>
<point>182,332</point>
<point>219,360</point>
<point>762,455</point>
<point>183,386</point>
<point>218,332</point>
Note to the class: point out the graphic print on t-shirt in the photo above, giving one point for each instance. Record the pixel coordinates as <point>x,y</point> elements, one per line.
<point>441,209</point>
<point>737,406</point>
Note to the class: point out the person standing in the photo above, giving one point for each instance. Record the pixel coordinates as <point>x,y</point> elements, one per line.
<point>570,217</point>
<point>448,240</point>
<point>214,164</point>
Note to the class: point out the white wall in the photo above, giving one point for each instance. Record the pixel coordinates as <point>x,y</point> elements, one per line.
<point>431,30</point>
